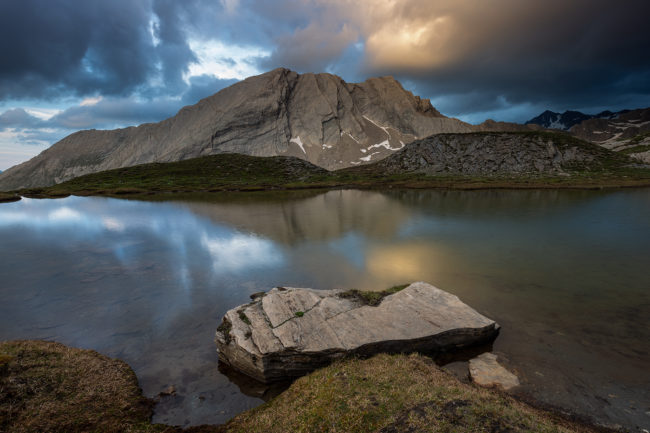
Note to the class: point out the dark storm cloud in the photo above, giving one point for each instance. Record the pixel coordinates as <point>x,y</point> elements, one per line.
<point>469,56</point>
<point>474,56</point>
<point>73,47</point>
<point>563,54</point>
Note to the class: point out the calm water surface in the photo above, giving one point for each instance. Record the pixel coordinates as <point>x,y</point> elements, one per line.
<point>566,274</point>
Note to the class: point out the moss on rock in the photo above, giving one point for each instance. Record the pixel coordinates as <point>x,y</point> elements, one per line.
<point>370,297</point>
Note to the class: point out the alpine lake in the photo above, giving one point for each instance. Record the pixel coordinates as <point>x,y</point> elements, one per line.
<point>566,273</point>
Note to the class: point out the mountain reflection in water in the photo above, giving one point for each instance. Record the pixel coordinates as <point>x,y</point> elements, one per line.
<point>564,273</point>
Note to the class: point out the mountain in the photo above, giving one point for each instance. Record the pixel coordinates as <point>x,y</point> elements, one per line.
<point>490,154</point>
<point>625,131</point>
<point>552,120</point>
<point>615,131</point>
<point>316,117</point>
<point>565,121</point>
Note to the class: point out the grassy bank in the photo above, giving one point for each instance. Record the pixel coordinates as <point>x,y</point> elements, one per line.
<point>393,393</point>
<point>8,197</point>
<point>48,387</point>
<point>234,172</point>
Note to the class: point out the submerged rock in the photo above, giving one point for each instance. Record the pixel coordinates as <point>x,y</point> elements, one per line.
<point>291,331</point>
<point>486,371</point>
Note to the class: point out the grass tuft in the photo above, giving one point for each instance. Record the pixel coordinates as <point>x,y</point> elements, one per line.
<point>243,317</point>
<point>224,327</point>
<point>370,297</point>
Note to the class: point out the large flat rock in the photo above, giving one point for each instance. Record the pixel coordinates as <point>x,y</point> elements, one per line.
<point>289,332</point>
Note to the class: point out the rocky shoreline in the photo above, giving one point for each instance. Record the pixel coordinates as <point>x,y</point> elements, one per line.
<point>50,387</point>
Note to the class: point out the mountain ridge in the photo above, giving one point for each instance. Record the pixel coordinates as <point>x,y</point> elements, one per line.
<point>316,117</point>
<point>535,159</point>
<point>569,118</point>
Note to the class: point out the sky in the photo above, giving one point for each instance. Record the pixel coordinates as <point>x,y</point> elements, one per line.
<point>67,65</point>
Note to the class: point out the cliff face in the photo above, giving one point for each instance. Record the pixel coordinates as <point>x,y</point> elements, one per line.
<point>316,117</point>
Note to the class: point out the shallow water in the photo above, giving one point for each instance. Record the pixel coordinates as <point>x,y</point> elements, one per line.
<point>565,273</point>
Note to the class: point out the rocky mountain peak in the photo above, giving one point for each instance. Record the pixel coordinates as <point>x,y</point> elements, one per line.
<point>316,117</point>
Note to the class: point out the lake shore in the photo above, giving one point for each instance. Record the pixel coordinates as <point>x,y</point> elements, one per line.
<point>241,173</point>
<point>8,197</point>
<point>82,390</point>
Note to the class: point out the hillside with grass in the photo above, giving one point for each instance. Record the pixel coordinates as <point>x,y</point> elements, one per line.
<point>464,161</point>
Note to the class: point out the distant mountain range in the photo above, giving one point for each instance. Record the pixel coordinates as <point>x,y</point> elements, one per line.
<point>316,117</point>
<point>625,131</point>
<point>564,121</point>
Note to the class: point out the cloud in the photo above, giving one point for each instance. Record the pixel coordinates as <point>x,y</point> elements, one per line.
<point>315,48</point>
<point>54,48</point>
<point>226,62</point>
<point>114,112</point>
<point>481,57</point>
<point>565,54</point>
<point>204,85</point>
<point>104,63</point>
<point>19,117</point>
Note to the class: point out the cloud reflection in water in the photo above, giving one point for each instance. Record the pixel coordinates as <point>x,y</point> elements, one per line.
<point>114,224</point>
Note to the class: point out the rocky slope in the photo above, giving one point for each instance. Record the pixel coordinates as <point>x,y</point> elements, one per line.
<point>489,154</point>
<point>626,131</point>
<point>316,117</point>
<point>616,133</point>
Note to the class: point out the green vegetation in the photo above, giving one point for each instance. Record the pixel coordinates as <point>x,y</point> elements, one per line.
<point>223,172</point>
<point>300,313</point>
<point>243,317</point>
<point>48,387</point>
<point>393,393</point>
<point>7,197</point>
<point>636,149</point>
<point>370,297</point>
<point>225,327</point>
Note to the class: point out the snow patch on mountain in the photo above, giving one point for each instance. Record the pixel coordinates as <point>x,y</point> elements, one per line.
<point>298,141</point>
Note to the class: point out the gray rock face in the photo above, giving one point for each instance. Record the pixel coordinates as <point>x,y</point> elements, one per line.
<point>494,154</point>
<point>316,117</point>
<point>289,332</point>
